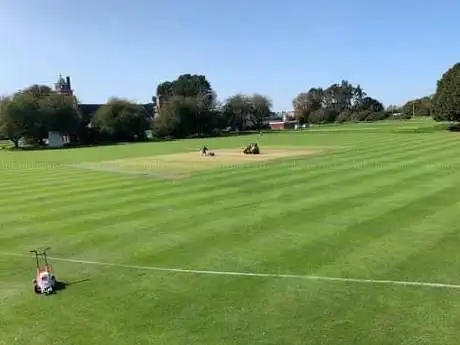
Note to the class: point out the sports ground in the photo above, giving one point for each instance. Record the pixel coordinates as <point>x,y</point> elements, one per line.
<point>343,234</point>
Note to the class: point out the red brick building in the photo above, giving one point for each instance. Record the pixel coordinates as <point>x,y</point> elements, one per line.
<point>286,121</point>
<point>281,125</point>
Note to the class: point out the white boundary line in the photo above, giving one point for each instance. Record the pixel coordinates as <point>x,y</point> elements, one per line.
<point>251,274</point>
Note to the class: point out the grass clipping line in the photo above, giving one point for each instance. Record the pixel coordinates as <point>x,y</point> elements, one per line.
<point>252,274</point>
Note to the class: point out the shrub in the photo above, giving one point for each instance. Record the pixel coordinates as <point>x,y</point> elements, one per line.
<point>322,115</point>
<point>377,116</point>
<point>344,116</point>
<point>361,115</point>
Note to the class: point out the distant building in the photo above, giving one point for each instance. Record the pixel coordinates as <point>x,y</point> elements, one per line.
<point>280,125</point>
<point>87,111</point>
<point>63,86</point>
<point>283,120</point>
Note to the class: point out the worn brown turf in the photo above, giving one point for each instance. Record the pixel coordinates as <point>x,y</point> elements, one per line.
<point>179,165</point>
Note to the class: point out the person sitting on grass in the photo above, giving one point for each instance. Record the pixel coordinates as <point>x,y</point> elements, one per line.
<point>252,149</point>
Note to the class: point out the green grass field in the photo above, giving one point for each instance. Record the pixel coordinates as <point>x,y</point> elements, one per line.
<point>378,202</point>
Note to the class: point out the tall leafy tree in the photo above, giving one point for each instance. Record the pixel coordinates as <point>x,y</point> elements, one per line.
<point>369,104</point>
<point>186,85</point>
<point>182,116</point>
<point>36,110</point>
<point>323,115</point>
<point>236,111</point>
<point>20,116</point>
<point>261,108</point>
<point>38,91</point>
<point>337,102</point>
<point>121,119</point>
<point>306,103</point>
<point>60,113</point>
<point>189,104</point>
<point>164,93</point>
<point>419,107</point>
<point>343,96</point>
<point>246,112</point>
<point>446,100</point>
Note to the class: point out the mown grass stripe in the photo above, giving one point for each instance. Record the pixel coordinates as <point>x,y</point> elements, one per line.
<point>383,207</point>
<point>286,182</point>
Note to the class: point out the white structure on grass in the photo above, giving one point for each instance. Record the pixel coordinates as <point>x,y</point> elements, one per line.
<point>55,139</point>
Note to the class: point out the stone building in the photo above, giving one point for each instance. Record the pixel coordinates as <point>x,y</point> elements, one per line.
<point>87,111</point>
<point>63,86</point>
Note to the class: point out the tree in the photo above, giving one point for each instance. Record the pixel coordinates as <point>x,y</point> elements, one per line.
<point>358,95</point>
<point>236,111</point>
<point>20,117</point>
<point>306,103</point>
<point>60,113</point>
<point>164,92</point>
<point>167,121</point>
<point>246,112</point>
<point>418,107</point>
<point>121,120</point>
<point>446,100</point>
<point>369,104</point>
<point>186,85</point>
<point>377,116</point>
<point>261,108</point>
<point>33,112</point>
<point>38,91</point>
<point>391,109</point>
<point>339,102</point>
<point>343,96</point>
<point>189,104</point>
<point>345,116</point>
<point>7,127</point>
<point>182,116</point>
<point>323,115</point>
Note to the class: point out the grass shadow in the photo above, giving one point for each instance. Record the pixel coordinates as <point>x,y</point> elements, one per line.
<point>62,285</point>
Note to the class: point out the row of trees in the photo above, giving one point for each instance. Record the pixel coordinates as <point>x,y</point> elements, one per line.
<point>346,102</point>
<point>189,106</point>
<point>33,112</point>
<point>339,102</point>
<point>30,114</point>
<point>183,107</point>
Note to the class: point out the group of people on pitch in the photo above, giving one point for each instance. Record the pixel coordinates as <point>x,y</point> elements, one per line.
<point>250,149</point>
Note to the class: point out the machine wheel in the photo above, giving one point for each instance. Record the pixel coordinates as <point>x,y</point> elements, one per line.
<point>36,289</point>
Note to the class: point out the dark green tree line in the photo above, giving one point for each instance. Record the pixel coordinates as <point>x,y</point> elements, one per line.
<point>339,102</point>
<point>188,106</point>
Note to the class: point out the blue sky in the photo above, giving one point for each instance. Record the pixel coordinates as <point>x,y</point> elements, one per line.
<point>396,50</point>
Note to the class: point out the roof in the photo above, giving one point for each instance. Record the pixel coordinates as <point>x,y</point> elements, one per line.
<point>88,110</point>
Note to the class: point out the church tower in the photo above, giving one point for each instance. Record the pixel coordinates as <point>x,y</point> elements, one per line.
<point>63,86</point>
